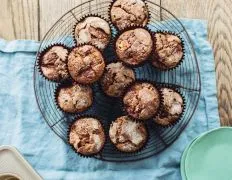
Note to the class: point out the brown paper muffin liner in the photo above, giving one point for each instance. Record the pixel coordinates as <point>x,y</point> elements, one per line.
<point>174,88</point>
<point>116,27</point>
<point>127,29</point>
<point>155,55</point>
<point>78,117</point>
<point>133,152</point>
<point>68,84</point>
<point>93,15</point>
<point>101,79</point>
<point>39,61</point>
<point>100,53</point>
<point>138,81</point>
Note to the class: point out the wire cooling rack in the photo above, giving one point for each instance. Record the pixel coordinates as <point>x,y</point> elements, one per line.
<point>185,77</point>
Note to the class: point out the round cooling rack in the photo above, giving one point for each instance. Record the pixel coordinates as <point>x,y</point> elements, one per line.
<point>186,78</point>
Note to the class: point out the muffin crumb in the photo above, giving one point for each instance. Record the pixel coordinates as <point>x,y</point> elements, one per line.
<point>134,46</point>
<point>128,135</point>
<point>172,108</point>
<point>142,101</point>
<point>116,78</point>
<point>85,64</point>
<point>53,63</point>
<point>87,136</point>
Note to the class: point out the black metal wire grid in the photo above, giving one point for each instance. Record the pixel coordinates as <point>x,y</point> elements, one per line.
<point>185,77</point>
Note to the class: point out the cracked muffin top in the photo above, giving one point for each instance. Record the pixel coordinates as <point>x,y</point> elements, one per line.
<point>93,30</point>
<point>116,78</point>
<point>168,51</point>
<point>74,98</point>
<point>128,135</point>
<point>53,63</point>
<point>86,64</point>
<point>134,46</point>
<point>172,107</point>
<point>142,101</point>
<point>125,13</point>
<point>87,136</point>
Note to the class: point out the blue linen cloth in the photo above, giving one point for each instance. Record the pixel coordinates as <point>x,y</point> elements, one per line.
<point>22,125</point>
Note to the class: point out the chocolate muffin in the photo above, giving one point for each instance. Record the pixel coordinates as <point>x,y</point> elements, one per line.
<point>125,13</point>
<point>85,64</point>
<point>87,136</point>
<point>168,51</point>
<point>128,135</point>
<point>116,78</point>
<point>142,101</point>
<point>53,61</point>
<point>134,46</point>
<point>93,30</point>
<point>172,107</point>
<point>74,98</point>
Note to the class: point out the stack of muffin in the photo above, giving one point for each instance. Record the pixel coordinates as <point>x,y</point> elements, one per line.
<point>77,68</point>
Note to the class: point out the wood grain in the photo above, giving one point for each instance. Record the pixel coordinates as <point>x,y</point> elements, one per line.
<point>19,19</point>
<point>52,10</point>
<point>218,14</point>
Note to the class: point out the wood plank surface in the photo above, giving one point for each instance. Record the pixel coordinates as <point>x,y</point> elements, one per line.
<point>31,19</point>
<point>19,19</point>
<point>218,14</point>
<point>51,11</point>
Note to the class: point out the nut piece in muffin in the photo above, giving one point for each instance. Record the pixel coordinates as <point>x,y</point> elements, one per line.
<point>86,64</point>
<point>93,30</point>
<point>74,98</point>
<point>142,100</point>
<point>168,51</point>
<point>125,13</point>
<point>134,46</point>
<point>87,136</point>
<point>116,78</point>
<point>172,107</point>
<point>128,135</point>
<point>53,61</point>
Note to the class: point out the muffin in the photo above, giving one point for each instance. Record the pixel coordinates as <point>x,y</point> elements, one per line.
<point>141,101</point>
<point>168,51</point>
<point>87,136</point>
<point>86,64</point>
<point>134,46</point>
<point>172,107</point>
<point>125,13</point>
<point>52,63</point>
<point>116,78</point>
<point>74,98</point>
<point>128,135</point>
<point>93,30</point>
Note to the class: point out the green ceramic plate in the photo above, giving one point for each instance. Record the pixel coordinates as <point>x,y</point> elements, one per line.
<point>182,162</point>
<point>183,157</point>
<point>210,156</point>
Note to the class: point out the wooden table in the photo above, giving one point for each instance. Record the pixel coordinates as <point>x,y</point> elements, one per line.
<point>31,19</point>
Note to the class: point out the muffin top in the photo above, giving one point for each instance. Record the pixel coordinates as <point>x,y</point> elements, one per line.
<point>116,78</point>
<point>125,13</point>
<point>142,101</point>
<point>168,50</point>
<point>94,30</point>
<point>74,98</point>
<point>87,136</point>
<point>53,63</point>
<point>172,108</point>
<point>85,64</point>
<point>134,46</point>
<point>127,135</point>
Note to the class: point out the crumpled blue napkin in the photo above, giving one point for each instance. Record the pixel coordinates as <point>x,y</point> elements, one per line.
<point>22,125</point>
